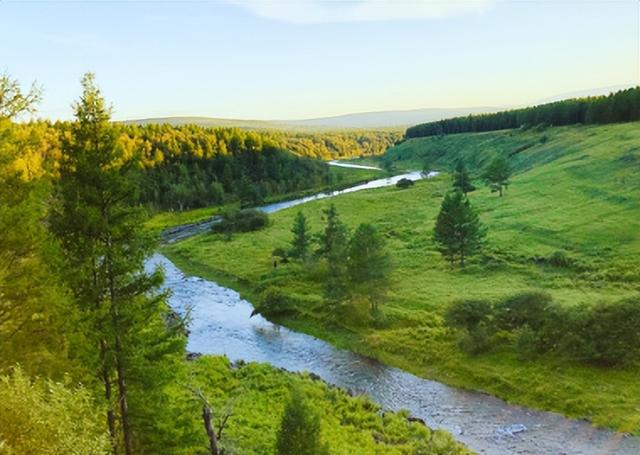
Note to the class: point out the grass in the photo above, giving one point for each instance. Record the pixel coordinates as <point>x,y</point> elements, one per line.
<point>255,395</point>
<point>577,191</point>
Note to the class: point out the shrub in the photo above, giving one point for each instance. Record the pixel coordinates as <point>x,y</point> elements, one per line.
<point>468,314</point>
<point>241,221</point>
<point>404,183</point>
<point>274,302</point>
<point>609,333</point>
<point>525,308</point>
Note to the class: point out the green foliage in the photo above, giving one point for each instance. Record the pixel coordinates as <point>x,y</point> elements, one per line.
<point>404,183</point>
<point>299,432</point>
<point>233,221</point>
<point>497,174</point>
<point>368,264</point>
<point>468,314</point>
<point>48,418</point>
<point>523,309</point>
<point>300,243</point>
<point>622,106</point>
<point>333,246</point>
<point>458,233</point>
<point>126,340</point>
<point>610,334</point>
<point>34,310</point>
<point>461,179</point>
<point>259,398</point>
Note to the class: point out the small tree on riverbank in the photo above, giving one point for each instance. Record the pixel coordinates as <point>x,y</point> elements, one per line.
<point>458,233</point>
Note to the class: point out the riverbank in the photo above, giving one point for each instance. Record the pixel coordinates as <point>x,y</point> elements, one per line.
<point>413,337</point>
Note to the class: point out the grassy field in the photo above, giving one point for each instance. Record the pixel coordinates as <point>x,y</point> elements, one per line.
<point>255,395</point>
<point>576,191</point>
<point>341,176</point>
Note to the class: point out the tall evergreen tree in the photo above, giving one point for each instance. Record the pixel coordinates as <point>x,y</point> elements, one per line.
<point>104,247</point>
<point>333,246</point>
<point>301,238</point>
<point>497,174</point>
<point>299,432</point>
<point>368,263</point>
<point>458,233</point>
<point>461,179</point>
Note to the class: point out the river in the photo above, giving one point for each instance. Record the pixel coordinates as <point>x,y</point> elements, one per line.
<point>221,323</point>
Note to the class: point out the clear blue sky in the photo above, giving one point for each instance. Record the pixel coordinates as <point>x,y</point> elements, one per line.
<point>288,59</point>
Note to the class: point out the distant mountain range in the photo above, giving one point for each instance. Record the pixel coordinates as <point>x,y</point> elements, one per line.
<point>364,120</point>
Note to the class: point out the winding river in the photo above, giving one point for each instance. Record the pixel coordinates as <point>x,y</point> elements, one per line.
<point>221,323</point>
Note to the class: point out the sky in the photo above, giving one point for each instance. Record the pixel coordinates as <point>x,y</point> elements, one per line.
<point>296,59</point>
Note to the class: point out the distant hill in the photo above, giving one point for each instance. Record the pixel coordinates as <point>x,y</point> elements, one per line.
<point>364,120</point>
<point>398,119</point>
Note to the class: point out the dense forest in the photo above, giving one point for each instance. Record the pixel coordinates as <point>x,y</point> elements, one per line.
<point>622,106</point>
<point>185,167</point>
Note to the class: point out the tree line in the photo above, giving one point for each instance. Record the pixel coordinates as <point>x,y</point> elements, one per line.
<point>622,106</point>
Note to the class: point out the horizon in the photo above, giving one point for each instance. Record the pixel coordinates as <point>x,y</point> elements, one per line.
<point>318,60</point>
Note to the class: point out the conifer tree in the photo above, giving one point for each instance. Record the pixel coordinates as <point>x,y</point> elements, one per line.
<point>299,432</point>
<point>368,263</point>
<point>458,233</point>
<point>301,238</point>
<point>333,246</point>
<point>461,179</point>
<point>105,249</point>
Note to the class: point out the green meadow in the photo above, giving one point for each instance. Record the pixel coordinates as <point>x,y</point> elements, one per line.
<point>254,395</point>
<point>575,192</point>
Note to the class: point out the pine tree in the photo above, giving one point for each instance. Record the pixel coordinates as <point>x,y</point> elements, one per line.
<point>333,246</point>
<point>104,247</point>
<point>497,174</point>
<point>368,263</point>
<point>461,179</point>
<point>458,233</point>
<point>299,432</point>
<point>301,240</point>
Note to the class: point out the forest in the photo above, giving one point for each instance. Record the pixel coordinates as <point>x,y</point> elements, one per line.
<point>622,106</point>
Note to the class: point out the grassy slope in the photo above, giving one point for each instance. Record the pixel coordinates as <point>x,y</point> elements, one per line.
<point>256,395</point>
<point>577,192</point>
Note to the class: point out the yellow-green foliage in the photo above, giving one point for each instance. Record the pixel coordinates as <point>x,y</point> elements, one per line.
<point>574,196</point>
<point>256,395</point>
<point>46,417</point>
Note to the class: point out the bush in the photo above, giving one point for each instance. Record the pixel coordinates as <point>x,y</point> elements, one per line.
<point>241,221</point>
<point>609,333</point>
<point>523,309</point>
<point>273,302</point>
<point>468,314</point>
<point>404,183</point>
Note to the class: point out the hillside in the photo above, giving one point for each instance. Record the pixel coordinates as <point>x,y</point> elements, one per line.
<point>575,194</point>
<point>359,120</point>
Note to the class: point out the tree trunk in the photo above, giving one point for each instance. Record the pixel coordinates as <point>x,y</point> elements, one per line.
<point>124,406</point>
<point>106,380</point>
<point>213,440</point>
<point>500,189</point>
